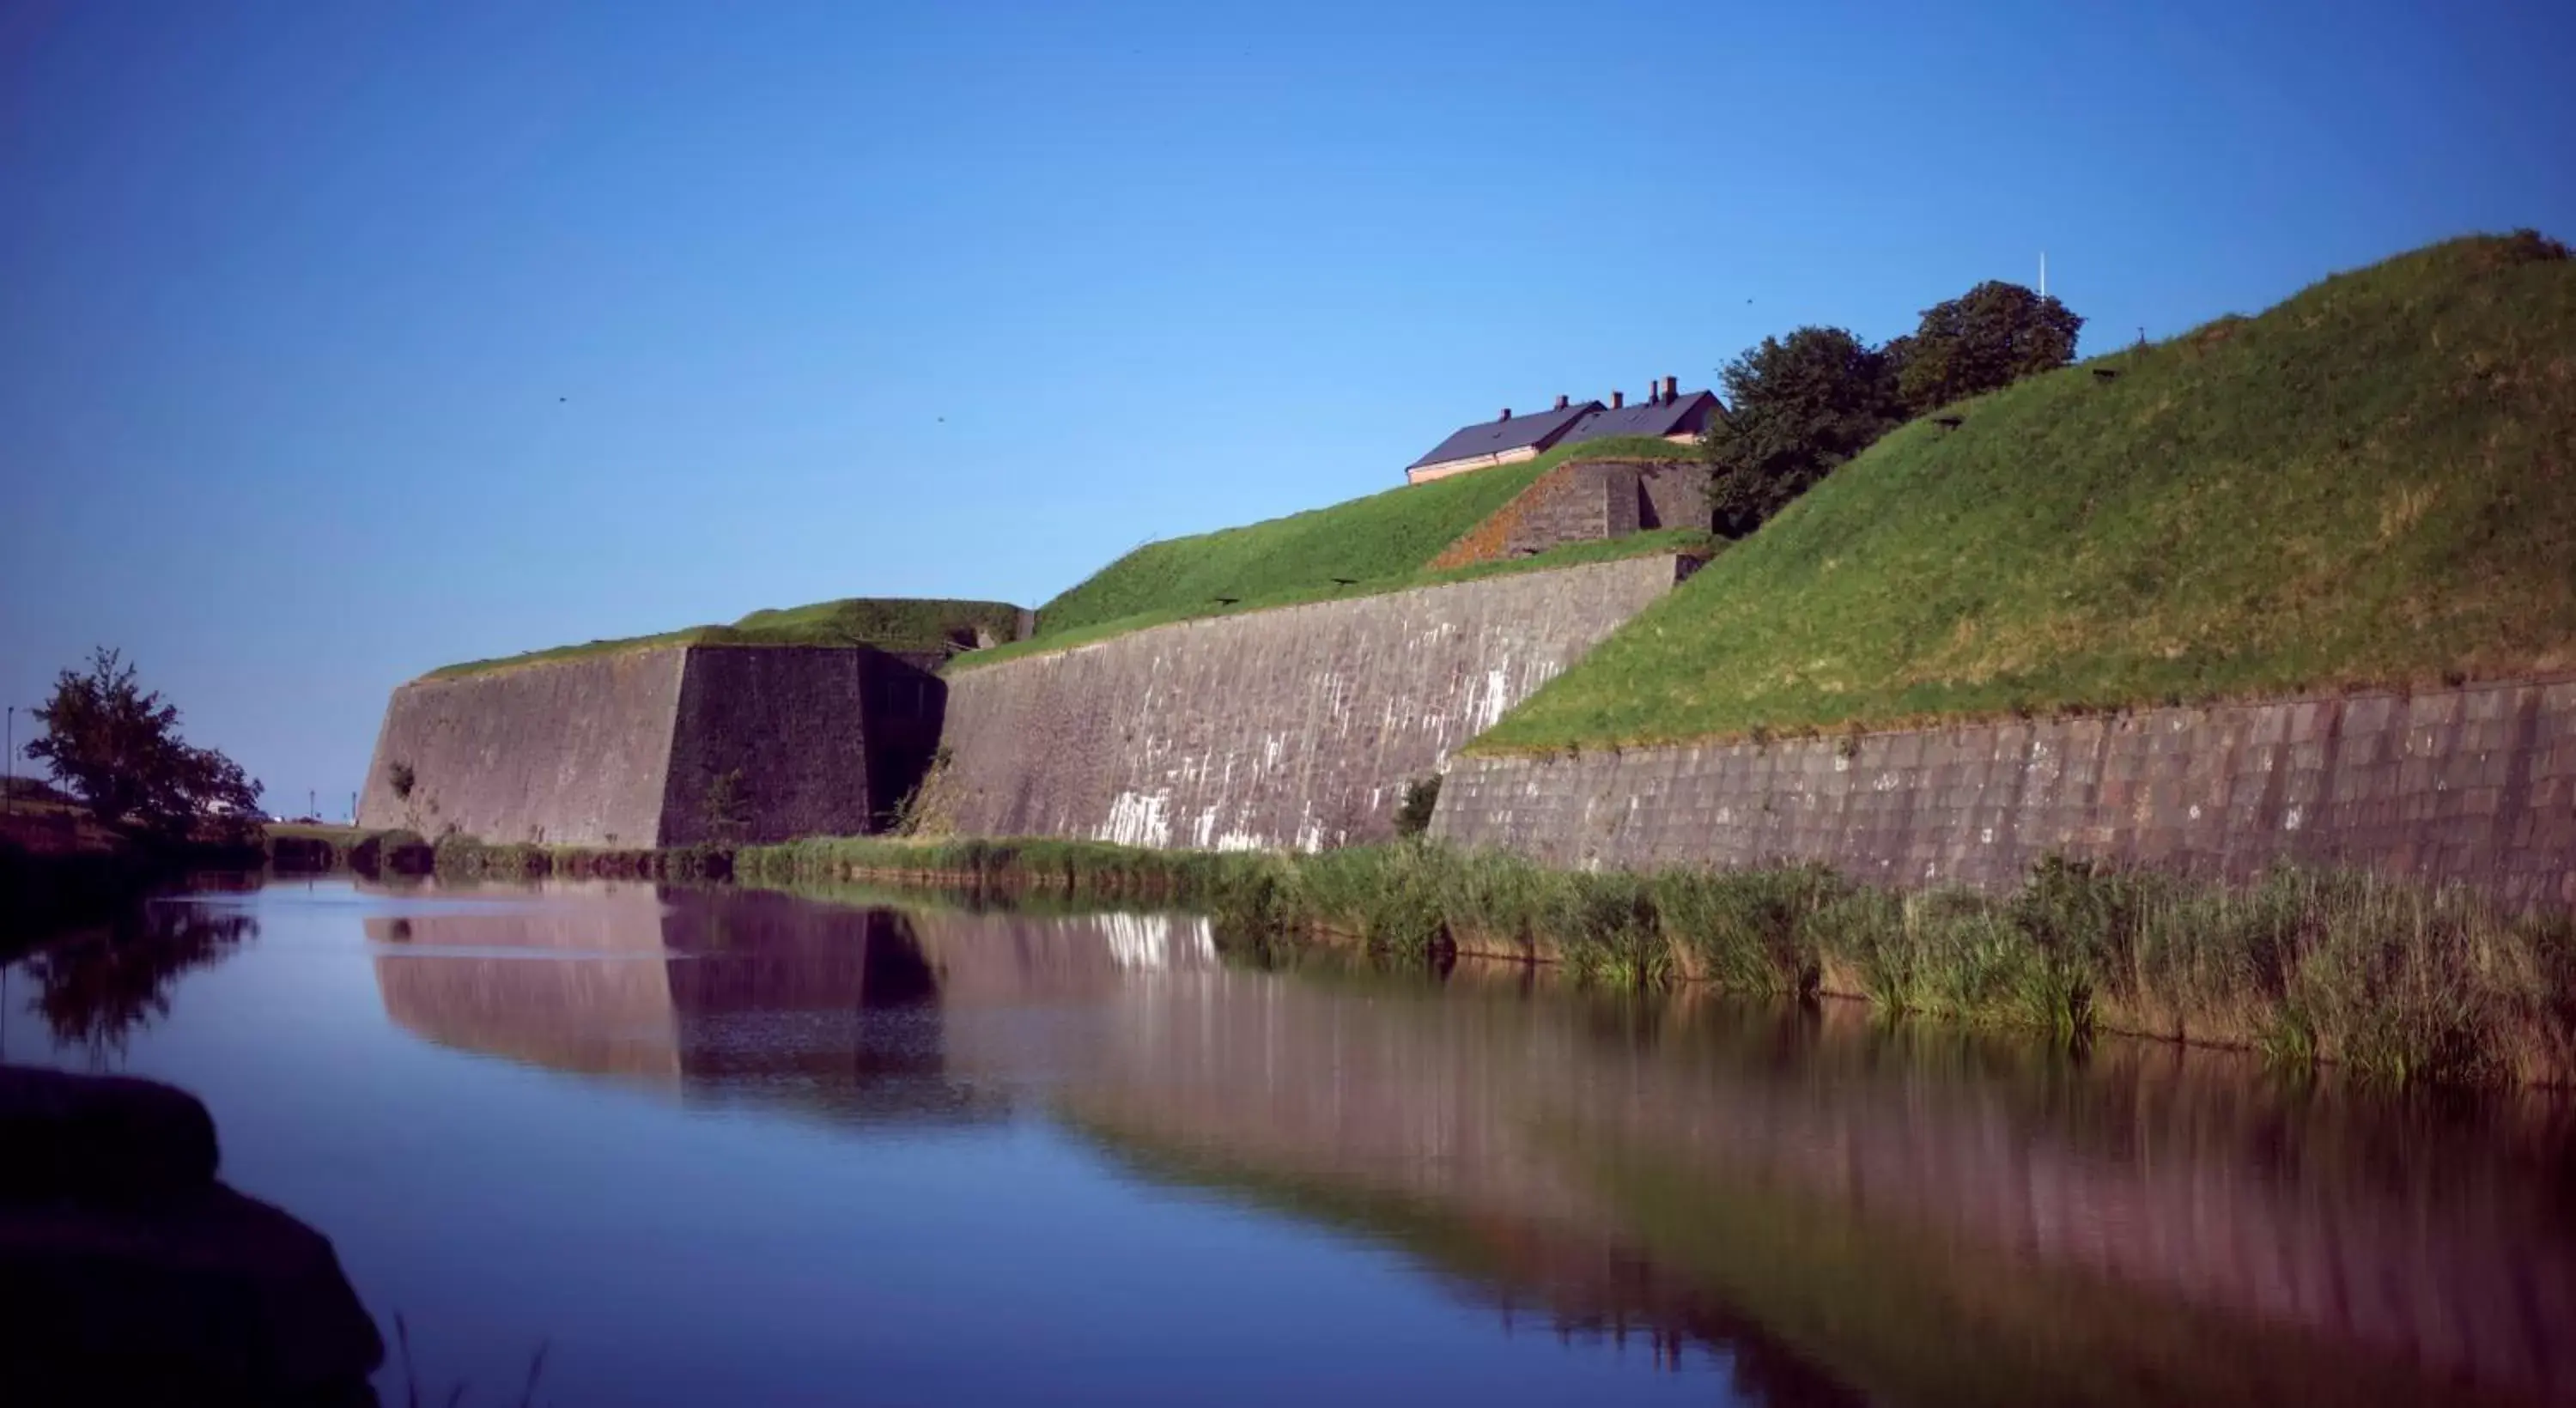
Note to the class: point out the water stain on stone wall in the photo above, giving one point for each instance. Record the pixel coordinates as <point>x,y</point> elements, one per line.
<point>1292,727</point>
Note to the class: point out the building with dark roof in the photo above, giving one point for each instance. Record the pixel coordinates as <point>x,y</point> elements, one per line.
<point>1667,413</point>
<point>1498,441</point>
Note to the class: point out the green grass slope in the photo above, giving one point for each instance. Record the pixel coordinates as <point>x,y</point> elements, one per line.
<point>1381,542</point>
<point>2373,483</point>
<point>889,623</point>
<point>1683,541</point>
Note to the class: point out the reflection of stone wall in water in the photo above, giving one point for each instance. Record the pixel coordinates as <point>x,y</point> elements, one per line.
<point>1426,1098</point>
<point>707,994</point>
<point>579,985</point>
<point>1295,726</point>
<point>2381,1232</point>
<point>2132,1171</point>
<point>997,960</point>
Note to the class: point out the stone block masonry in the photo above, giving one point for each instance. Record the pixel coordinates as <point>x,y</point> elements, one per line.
<point>1586,501</point>
<point>1298,726</point>
<point>2475,785</point>
<point>627,749</point>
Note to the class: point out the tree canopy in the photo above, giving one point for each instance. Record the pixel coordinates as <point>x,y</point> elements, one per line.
<point>1991,336</point>
<point>118,747</point>
<point>1795,408</point>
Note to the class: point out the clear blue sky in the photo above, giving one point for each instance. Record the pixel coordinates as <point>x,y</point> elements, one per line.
<point>341,341</point>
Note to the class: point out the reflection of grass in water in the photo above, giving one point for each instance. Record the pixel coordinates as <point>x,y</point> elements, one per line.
<point>934,899</point>
<point>456,1391</point>
<point>1417,1225</point>
<point>1916,1320</point>
<point>1587,1284</point>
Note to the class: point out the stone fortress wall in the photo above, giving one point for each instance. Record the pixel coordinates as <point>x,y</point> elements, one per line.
<point>627,749</point>
<point>1302,727</point>
<point>2475,785</point>
<point>1299,726</point>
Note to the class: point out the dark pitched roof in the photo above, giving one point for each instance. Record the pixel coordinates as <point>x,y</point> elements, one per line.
<point>1495,437</point>
<point>1687,411</point>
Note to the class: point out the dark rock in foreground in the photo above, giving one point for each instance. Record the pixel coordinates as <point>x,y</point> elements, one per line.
<point>129,1274</point>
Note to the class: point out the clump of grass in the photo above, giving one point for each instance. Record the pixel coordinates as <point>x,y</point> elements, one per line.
<point>1748,931</point>
<point>1501,904</point>
<point>462,857</point>
<point>1608,932</point>
<point>399,852</point>
<point>2366,485</point>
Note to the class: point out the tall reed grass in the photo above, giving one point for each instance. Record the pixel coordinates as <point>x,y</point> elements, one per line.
<point>2394,980</point>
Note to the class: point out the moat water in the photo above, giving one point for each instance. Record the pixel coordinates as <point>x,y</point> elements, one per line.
<point>710,1146</point>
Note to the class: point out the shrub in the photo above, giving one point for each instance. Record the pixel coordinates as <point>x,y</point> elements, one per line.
<point>1421,796</point>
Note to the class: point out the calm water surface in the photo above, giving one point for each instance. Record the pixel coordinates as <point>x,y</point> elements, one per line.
<point>750,1148</point>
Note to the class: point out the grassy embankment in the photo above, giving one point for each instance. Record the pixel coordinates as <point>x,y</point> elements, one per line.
<point>1381,543</point>
<point>59,865</point>
<point>2395,981</point>
<point>2372,484</point>
<point>888,623</point>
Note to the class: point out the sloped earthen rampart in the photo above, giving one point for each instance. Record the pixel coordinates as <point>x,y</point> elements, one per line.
<point>2474,785</point>
<point>1298,726</point>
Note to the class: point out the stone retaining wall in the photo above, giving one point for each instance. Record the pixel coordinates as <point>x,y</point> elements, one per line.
<point>1298,726</point>
<point>1586,501</point>
<point>572,752</point>
<point>628,748</point>
<point>2475,785</point>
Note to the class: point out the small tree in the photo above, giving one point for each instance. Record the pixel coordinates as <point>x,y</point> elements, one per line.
<point>728,804</point>
<point>117,745</point>
<point>1991,336</point>
<point>1795,408</point>
<point>1421,798</point>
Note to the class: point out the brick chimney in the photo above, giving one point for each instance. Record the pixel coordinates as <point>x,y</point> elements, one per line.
<point>1618,399</point>
<point>1563,401</point>
<point>1506,415</point>
<point>1672,389</point>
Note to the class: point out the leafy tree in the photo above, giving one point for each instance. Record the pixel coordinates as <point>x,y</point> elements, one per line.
<point>728,804</point>
<point>1795,408</point>
<point>1421,798</point>
<point>117,745</point>
<point>1991,336</point>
